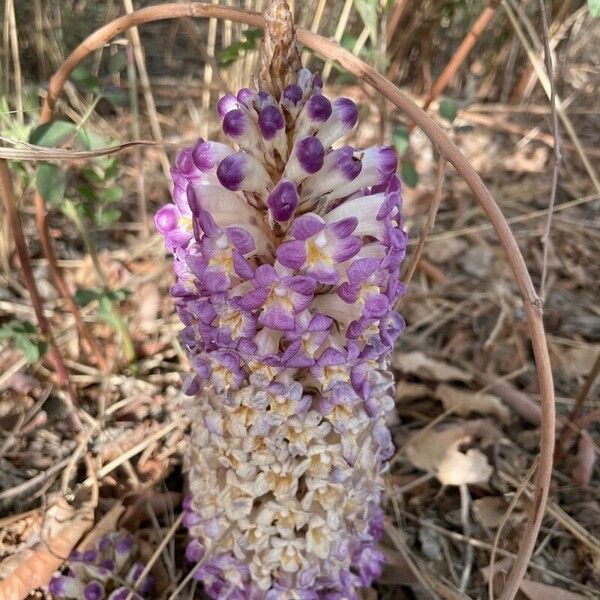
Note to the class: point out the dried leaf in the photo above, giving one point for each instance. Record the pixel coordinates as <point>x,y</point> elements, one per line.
<point>437,451</point>
<point>464,402</point>
<point>31,568</point>
<point>490,510</point>
<point>417,363</point>
<point>459,468</point>
<point>406,391</point>
<point>535,590</point>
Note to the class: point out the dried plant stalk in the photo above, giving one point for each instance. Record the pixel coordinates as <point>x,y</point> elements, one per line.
<point>331,50</point>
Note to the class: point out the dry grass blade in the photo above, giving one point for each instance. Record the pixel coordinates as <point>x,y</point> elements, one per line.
<point>424,233</point>
<point>557,155</point>
<point>39,153</point>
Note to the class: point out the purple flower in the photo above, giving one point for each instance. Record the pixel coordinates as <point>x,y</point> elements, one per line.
<point>222,260</point>
<point>279,297</point>
<point>318,248</point>
<point>287,254</point>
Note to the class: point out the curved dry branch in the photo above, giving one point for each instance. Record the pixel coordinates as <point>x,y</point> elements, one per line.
<point>332,51</point>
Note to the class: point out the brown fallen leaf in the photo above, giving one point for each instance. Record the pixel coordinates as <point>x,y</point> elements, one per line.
<point>437,451</point>
<point>535,590</point>
<point>406,391</point>
<point>460,468</point>
<point>464,402</point>
<point>33,567</point>
<point>417,363</point>
<point>490,511</point>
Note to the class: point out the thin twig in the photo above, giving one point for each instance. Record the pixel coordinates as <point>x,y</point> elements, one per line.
<point>14,42</point>
<point>465,504</point>
<point>546,241</point>
<point>433,209</point>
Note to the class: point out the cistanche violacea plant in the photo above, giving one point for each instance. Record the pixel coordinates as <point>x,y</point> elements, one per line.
<point>287,248</point>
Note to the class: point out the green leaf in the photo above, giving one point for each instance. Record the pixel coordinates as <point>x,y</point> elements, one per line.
<point>401,139</point>
<point>448,109</point>
<point>52,134</point>
<point>84,78</point>
<point>227,56</point>
<point>30,348</point>
<point>108,217</point>
<point>594,7</point>
<point>50,182</point>
<point>409,174</point>
<point>112,194</point>
<point>24,335</point>
<point>84,296</point>
<point>117,62</point>
<point>90,140</point>
<point>367,9</point>
<point>253,35</point>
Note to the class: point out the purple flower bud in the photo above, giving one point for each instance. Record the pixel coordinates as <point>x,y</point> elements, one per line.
<point>246,97</point>
<point>306,158</point>
<point>226,104</point>
<point>66,587</point>
<point>236,123</point>
<point>270,122</point>
<point>292,94</point>
<point>241,171</point>
<point>207,155</point>
<point>282,201</point>
<point>93,591</point>
<point>89,556</point>
<point>342,120</point>
<point>310,154</point>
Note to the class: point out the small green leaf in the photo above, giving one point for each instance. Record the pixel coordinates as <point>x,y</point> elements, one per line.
<point>229,55</point>
<point>52,134</point>
<point>84,78</point>
<point>117,62</point>
<point>90,140</point>
<point>84,296</point>
<point>448,109</point>
<point>367,9</point>
<point>108,217</point>
<point>409,174</point>
<point>30,349</point>
<point>50,182</point>
<point>253,35</point>
<point>594,7</point>
<point>401,139</point>
<point>93,174</point>
<point>24,335</point>
<point>112,194</point>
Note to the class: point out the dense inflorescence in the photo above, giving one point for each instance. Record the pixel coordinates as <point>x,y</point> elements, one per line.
<point>108,571</point>
<point>287,254</point>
